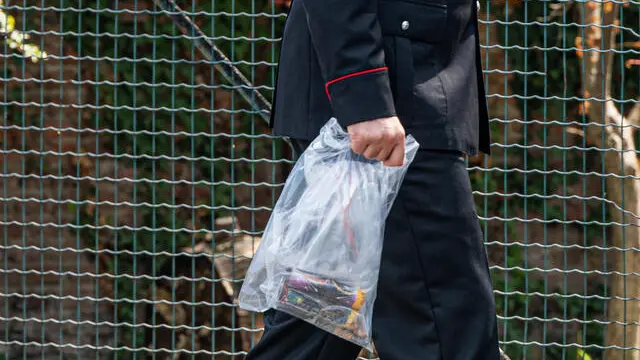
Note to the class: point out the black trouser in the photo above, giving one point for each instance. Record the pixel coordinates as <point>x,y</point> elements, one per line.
<point>434,299</point>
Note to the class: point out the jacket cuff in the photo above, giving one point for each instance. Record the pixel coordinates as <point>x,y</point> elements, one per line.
<point>361,96</point>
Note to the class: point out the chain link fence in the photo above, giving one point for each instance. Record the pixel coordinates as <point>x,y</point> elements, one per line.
<point>136,180</point>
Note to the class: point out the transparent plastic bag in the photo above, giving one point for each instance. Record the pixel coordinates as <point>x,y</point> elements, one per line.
<point>319,256</point>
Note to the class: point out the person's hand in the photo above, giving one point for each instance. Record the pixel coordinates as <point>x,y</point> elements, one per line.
<point>381,139</point>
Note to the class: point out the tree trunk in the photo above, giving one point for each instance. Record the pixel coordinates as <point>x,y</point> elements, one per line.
<point>623,331</point>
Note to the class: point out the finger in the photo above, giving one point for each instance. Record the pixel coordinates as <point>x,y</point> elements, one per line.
<point>372,151</point>
<point>358,146</point>
<point>388,142</point>
<point>384,153</point>
<point>397,156</point>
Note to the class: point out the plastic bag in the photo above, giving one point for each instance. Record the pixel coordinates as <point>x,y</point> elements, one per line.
<point>319,256</point>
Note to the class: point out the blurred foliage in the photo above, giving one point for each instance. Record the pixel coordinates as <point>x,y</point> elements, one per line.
<point>551,166</point>
<point>17,39</point>
<point>174,97</point>
<point>165,87</point>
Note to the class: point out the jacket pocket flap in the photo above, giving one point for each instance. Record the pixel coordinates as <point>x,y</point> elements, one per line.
<point>416,20</point>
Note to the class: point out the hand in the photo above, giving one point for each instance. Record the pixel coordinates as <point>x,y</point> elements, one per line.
<point>381,139</point>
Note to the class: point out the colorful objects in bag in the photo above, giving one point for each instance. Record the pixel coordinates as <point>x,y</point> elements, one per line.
<point>327,300</point>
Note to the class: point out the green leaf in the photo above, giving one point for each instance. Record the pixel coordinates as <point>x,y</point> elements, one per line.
<point>582,355</point>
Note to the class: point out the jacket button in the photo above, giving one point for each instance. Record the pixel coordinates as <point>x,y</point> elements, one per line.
<point>405,25</point>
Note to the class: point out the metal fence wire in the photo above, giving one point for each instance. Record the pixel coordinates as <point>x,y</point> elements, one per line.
<point>137,180</point>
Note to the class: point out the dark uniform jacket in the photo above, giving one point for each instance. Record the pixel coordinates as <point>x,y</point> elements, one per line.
<point>359,60</point>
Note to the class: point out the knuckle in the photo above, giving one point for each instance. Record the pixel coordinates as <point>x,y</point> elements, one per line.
<point>364,136</point>
<point>387,134</point>
<point>378,136</point>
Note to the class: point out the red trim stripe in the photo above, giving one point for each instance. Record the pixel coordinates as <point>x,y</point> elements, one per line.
<point>326,87</point>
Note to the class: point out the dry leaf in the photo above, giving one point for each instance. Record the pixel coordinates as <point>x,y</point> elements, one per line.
<point>631,62</point>
<point>608,7</point>
<point>578,45</point>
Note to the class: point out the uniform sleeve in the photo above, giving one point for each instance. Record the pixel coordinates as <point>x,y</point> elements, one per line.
<point>348,41</point>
